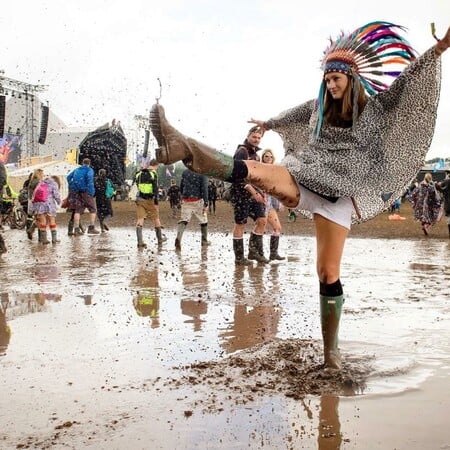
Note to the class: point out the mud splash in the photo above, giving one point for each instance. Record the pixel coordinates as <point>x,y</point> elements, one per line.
<point>291,367</point>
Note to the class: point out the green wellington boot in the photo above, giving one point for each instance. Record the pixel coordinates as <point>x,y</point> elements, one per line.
<point>330,314</point>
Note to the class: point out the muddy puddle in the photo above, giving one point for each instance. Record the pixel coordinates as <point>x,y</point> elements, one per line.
<point>105,346</point>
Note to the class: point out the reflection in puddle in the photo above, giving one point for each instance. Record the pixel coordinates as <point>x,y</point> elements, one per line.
<point>329,432</point>
<point>156,310</point>
<point>251,326</point>
<point>194,309</point>
<point>146,304</point>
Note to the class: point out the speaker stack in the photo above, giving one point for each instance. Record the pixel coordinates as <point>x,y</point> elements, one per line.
<point>44,124</point>
<point>2,114</point>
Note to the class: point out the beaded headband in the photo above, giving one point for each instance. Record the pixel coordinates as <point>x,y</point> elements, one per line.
<point>366,54</point>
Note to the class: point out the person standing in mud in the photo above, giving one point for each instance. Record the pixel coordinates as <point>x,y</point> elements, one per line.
<point>194,201</point>
<point>38,176</point>
<point>272,207</point>
<point>103,199</point>
<point>45,199</point>
<point>427,207</point>
<point>444,188</point>
<point>173,193</point>
<point>338,167</point>
<point>248,201</point>
<point>3,248</point>
<point>147,202</point>
<point>81,183</point>
<point>212,196</point>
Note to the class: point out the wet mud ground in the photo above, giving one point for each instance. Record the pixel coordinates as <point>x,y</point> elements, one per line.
<point>103,346</point>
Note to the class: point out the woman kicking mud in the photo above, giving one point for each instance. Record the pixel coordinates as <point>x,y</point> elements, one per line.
<point>349,153</point>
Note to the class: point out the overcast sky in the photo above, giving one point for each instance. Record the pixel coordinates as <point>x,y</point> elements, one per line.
<point>220,62</point>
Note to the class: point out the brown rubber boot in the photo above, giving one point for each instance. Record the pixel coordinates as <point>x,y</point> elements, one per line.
<point>174,146</point>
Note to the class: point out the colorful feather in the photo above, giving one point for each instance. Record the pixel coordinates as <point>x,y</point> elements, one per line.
<point>366,54</point>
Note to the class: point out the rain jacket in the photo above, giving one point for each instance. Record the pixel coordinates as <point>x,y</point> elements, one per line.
<point>82,180</point>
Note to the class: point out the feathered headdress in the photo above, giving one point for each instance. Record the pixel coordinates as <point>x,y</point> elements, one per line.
<point>365,55</point>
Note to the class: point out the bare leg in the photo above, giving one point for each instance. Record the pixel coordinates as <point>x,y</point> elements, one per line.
<point>238,230</point>
<point>330,239</point>
<point>260,225</point>
<point>274,222</point>
<point>275,180</point>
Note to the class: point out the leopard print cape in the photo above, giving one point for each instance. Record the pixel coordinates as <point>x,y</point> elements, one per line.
<point>374,161</point>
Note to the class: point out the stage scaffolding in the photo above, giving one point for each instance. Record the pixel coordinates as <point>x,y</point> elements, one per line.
<point>26,93</point>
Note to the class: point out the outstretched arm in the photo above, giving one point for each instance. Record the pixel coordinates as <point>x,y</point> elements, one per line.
<point>299,114</point>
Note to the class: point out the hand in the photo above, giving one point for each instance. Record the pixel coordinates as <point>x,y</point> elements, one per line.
<point>259,198</point>
<point>443,44</point>
<point>261,124</point>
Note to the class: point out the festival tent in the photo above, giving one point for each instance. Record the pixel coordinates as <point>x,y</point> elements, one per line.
<point>60,168</point>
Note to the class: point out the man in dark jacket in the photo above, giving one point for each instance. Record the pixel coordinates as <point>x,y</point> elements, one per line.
<point>2,183</point>
<point>444,188</point>
<point>194,200</point>
<point>174,195</point>
<point>248,201</point>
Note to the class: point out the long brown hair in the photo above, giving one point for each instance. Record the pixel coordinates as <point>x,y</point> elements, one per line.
<point>339,113</point>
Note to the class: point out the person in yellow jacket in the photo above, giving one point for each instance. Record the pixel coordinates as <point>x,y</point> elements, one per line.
<point>147,204</point>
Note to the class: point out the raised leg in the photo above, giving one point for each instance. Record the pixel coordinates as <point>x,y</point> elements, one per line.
<point>200,158</point>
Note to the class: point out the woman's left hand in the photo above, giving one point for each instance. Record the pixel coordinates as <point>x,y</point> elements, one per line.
<point>443,44</point>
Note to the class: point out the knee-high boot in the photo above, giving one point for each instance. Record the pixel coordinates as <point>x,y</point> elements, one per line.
<point>174,146</point>
<point>31,226</point>
<point>70,228</point>
<point>3,248</point>
<point>204,230</point>
<point>43,236</point>
<point>449,230</point>
<point>238,248</point>
<point>274,242</point>
<point>54,234</point>
<point>180,230</point>
<point>159,236</point>
<point>255,248</point>
<point>330,314</point>
<point>140,239</point>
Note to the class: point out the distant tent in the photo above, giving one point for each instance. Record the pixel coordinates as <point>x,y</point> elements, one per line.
<point>106,147</point>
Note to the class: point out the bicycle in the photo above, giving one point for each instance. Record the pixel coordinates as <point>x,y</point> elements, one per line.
<point>12,214</point>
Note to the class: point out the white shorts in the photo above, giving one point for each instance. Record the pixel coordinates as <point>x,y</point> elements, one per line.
<point>339,212</point>
<point>193,208</point>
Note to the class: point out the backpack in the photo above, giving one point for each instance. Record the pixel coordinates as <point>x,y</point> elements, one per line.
<point>41,192</point>
<point>144,181</point>
<point>109,191</point>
